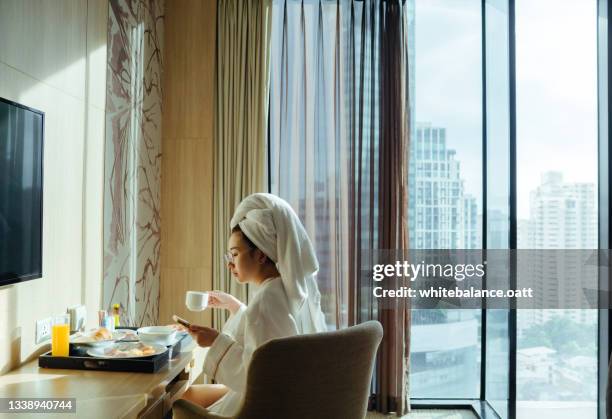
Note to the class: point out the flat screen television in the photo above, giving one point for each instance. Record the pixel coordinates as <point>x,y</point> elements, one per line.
<point>21,192</point>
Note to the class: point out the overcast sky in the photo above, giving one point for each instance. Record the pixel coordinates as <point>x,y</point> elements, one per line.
<point>556,62</point>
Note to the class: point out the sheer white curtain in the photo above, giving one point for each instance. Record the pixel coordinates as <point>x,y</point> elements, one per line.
<point>308,133</point>
<point>338,141</point>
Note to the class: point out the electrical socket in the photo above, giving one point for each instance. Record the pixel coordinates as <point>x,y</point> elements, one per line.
<point>43,329</point>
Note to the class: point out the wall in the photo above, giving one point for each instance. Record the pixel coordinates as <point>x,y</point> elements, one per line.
<point>187,170</point>
<point>53,58</point>
<point>132,223</point>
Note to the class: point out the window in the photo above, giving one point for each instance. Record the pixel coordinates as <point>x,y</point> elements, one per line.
<point>556,113</point>
<point>497,333</point>
<point>446,158</point>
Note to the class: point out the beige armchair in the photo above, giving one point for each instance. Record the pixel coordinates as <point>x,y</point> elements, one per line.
<point>323,376</point>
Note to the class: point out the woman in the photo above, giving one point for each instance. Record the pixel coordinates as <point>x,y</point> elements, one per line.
<point>269,249</point>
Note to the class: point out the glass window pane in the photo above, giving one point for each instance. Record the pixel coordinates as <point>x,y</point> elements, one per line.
<point>498,193</point>
<point>445,178</point>
<point>556,71</point>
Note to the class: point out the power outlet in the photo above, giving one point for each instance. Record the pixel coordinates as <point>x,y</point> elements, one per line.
<point>43,329</point>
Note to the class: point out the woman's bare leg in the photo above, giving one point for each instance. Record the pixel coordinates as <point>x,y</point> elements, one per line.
<point>205,394</point>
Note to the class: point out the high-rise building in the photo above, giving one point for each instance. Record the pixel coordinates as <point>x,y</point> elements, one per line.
<point>562,216</point>
<point>442,216</point>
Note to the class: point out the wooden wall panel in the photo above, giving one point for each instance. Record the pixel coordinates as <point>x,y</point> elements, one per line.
<point>190,57</point>
<point>187,189</point>
<point>187,149</point>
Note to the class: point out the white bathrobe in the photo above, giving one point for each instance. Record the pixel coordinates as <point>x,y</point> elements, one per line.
<point>266,317</point>
<point>287,305</point>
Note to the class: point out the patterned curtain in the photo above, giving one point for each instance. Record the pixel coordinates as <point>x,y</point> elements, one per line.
<point>133,160</point>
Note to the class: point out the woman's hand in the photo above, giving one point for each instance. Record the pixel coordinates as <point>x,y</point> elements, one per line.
<point>220,299</point>
<point>204,336</point>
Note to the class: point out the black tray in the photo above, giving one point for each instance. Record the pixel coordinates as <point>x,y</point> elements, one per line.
<point>78,359</point>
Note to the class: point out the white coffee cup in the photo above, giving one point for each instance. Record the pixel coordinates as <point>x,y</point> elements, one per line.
<point>196,300</point>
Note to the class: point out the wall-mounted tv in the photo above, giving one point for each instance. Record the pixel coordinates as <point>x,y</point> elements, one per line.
<point>21,192</point>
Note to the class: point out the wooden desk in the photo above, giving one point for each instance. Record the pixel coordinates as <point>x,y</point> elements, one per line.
<point>107,394</point>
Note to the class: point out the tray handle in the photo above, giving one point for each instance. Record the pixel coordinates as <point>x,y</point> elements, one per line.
<point>94,364</point>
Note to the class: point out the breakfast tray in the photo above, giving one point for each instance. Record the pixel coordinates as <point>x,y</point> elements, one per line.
<point>78,359</point>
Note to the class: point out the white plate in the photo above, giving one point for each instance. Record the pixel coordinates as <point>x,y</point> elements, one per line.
<point>125,346</point>
<point>85,339</point>
<point>130,335</point>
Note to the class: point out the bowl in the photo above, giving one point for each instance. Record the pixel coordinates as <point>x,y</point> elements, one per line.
<point>162,335</point>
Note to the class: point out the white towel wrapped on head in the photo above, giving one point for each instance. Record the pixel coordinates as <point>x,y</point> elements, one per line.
<point>272,225</point>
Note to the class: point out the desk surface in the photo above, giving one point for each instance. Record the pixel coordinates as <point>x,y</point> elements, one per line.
<point>99,394</point>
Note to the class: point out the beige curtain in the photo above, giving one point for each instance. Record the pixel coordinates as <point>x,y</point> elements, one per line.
<point>380,138</point>
<point>393,356</point>
<point>241,117</point>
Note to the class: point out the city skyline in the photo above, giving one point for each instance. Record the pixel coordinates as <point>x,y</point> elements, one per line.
<point>419,167</point>
<point>449,32</point>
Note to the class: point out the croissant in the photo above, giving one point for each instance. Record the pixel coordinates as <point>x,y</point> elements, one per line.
<point>102,334</point>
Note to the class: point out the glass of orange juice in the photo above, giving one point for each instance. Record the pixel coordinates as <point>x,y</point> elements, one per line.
<point>60,340</point>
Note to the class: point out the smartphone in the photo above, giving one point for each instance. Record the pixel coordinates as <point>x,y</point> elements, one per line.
<point>182,321</point>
